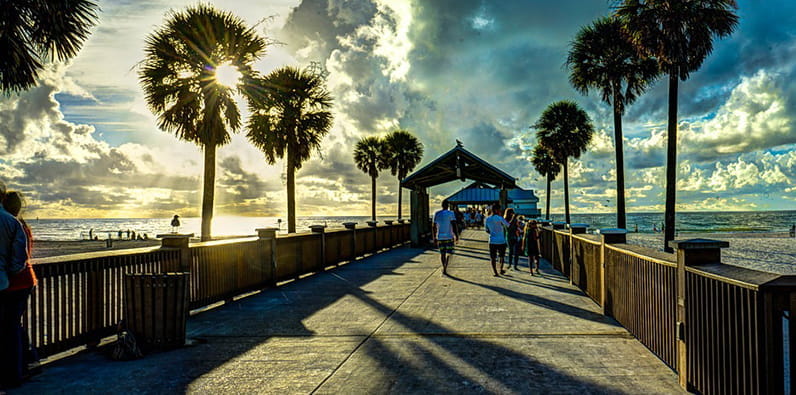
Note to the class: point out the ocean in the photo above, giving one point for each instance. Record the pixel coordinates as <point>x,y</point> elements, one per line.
<point>712,222</point>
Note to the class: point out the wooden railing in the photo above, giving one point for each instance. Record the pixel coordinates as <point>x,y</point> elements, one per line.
<point>78,300</point>
<point>640,293</point>
<point>719,326</point>
<point>586,267</point>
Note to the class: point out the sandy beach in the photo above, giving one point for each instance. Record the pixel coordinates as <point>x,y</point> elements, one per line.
<point>773,252</point>
<point>42,248</point>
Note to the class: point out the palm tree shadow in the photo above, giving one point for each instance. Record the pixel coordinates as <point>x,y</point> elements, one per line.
<point>435,362</point>
<point>543,302</point>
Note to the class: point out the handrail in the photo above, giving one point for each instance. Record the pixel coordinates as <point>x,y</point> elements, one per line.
<point>646,253</point>
<point>79,296</point>
<point>591,239</point>
<point>718,325</point>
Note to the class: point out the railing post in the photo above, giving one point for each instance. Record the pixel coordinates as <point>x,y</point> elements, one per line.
<point>180,242</point>
<point>267,236</point>
<point>608,236</point>
<point>352,226</point>
<point>390,242</point>
<point>373,237</point>
<point>573,230</point>
<point>322,230</point>
<point>689,253</point>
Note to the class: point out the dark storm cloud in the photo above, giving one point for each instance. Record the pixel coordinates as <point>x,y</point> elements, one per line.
<point>763,40</point>
<point>337,165</point>
<point>237,184</point>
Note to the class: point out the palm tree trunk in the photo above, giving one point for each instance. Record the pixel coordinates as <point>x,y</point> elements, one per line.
<point>291,192</point>
<point>373,199</point>
<point>208,189</point>
<point>549,181</point>
<point>399,199</point>
<point>621,220</point>
<point>671,164</point>
<point>566,191</point>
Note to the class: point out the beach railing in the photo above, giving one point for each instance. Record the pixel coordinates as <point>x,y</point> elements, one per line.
<point>722,328</point>
<point>586,265</point>
<point>641,294</point>
<point>79,299</point>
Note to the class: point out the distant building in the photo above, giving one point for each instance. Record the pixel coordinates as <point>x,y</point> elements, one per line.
<point>523,201</point>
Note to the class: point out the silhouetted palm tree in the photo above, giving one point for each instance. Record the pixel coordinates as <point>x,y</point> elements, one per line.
<point>370,156</point>
<point>404,153</point>
<point>565,130</point>
<point>547,166</point>
<point>601,58</point>
<point>679,34</point>
<point>178,76</point>
<point>290,117</point>
<point>33,33</point>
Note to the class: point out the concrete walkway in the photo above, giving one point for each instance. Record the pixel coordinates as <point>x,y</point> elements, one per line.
<point>391,323</point>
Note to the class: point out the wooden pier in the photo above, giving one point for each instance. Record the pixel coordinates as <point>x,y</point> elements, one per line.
<point>391,323</point>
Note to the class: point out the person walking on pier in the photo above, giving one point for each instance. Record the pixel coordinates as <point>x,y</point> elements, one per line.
<point>444,234</point>
<point>513,238</point>
<point>496,226</point>
<point>530,244</point>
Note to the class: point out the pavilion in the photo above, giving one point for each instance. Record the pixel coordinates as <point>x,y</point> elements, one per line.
<point>523,201</point>
<point>456,164</point>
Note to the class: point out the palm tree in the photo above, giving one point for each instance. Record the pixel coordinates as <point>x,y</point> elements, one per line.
<point>601,58</point>
<point>290,117</point>
<point>179,79</point>
<point>679,34</point>
<point>370,156</point>
<point>546,166</point>
<point>404,153</point>
<point>565,130</point>
<point>33,33</point>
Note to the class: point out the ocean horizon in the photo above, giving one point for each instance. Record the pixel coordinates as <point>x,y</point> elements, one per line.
<point>69,229</point>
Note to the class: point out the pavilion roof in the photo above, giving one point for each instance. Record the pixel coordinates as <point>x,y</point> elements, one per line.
<point>458,164</point>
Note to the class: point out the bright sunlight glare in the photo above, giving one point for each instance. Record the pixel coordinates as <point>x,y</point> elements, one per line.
<point>227,75</point>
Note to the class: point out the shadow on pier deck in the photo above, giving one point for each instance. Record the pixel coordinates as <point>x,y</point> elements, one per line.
<point>391,323</point>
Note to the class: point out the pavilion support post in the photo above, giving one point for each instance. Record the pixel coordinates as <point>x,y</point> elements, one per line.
<point>426,217</point>
<point>415,215</point>
<point>504,198</point>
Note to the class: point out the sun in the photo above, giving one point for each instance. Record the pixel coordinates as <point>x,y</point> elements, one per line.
<point>227,75</point>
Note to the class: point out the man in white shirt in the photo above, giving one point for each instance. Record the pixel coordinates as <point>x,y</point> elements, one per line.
<point>496,226</point>
<point>444,234</point>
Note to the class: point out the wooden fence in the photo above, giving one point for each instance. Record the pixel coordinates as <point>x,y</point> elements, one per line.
<point>723,328</point>
<point>78,300</point>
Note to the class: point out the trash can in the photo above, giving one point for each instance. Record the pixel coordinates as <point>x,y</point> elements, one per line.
<point>156,308</point>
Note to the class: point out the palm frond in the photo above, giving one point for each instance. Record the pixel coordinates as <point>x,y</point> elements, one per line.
<point>34,33</point>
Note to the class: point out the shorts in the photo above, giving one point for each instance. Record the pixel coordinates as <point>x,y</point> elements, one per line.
<point>445,246</point>
<point>496,250</point>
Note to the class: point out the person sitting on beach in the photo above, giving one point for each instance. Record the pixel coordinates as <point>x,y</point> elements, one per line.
<point>16,281</point>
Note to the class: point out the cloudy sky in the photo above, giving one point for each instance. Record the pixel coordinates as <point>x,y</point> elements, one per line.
<point>84,144</point>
